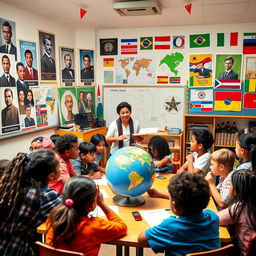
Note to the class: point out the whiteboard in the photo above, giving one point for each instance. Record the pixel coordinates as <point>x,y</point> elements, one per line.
<point>151,106</point>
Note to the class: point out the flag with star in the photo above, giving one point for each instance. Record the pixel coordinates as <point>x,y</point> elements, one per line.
<point>146,43</point>
<point>250,100</point>
<point>199,40</point>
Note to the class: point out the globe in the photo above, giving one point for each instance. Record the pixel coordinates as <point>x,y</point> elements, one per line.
<point>130,172</point>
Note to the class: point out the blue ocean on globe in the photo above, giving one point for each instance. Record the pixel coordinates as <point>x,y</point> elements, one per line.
<point>130,171</point>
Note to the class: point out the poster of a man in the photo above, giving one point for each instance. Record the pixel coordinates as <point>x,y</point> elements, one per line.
<point>67,71</point>
<point>21,85</point>
<point>6,80</point>
<point>8,37</point>
<point>86,67</point>
<point>47,53</point>
<point>29,121</point>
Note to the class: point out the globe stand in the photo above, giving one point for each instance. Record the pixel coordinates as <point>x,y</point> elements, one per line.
<point>128,201</point>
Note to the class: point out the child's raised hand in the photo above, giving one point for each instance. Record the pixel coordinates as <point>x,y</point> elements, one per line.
<point>210,178</point>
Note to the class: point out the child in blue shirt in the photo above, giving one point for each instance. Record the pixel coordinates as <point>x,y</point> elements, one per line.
<point>194,230</point>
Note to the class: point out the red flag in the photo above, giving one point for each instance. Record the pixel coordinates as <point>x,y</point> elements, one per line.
<point>188,8</point>
<point>82,13</point>
<point>250,100</point>
<point>234,39</point>
<point>98,91</point>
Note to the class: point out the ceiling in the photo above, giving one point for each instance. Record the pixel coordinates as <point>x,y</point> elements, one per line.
<point>100,14</point>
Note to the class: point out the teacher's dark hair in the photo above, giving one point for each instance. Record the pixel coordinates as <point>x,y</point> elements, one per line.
<point>123,105</point>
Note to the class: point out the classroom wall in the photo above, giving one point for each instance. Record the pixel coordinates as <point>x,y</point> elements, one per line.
<point>27,26</point>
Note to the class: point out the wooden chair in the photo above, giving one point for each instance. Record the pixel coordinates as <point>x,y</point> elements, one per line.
<point>251,249</point>
<point>46,250</point>
<point>223,251</point>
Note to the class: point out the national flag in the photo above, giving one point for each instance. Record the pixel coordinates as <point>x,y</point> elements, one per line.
<point>249,43</point>
<point>108,46</point>
<point>228,101</point>
<point>175,80</point>
<point>250,85</point>
<point>146,43</point>
<point>108,62</point>
<point>228,84</point>
<point>162,42</point>
<point>199,40</point>
<point>250,100</point>
<point>201,100</point>
<point>200,106</point>
<point>227,39</point>
<point>162,79</point>
<point>178,42</point>
<point>129,46</point>
<point>41,115</point>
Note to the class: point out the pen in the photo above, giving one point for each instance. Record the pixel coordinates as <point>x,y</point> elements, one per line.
<point>167,209</point>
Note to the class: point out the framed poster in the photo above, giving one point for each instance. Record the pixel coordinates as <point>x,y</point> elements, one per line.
<point>67,72</point>
<point>86,67</point>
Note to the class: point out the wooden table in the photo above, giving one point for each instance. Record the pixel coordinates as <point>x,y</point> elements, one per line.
<point>135,227</point>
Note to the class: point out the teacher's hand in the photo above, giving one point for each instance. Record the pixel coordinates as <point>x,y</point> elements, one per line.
<point>122,137</point>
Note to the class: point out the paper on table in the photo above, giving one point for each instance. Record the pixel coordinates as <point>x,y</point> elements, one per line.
<point>99,213</point>
<point>102,181</point>
<point>149,130</point>
<point>104,193</point>
<point>155,217</point>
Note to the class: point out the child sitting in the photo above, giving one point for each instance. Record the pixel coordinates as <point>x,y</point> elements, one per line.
<point>100,142</point>
<point>246,150</point>
<point>40,143</point>
<point>69,226</point>
<point>243,212</point>
<point>159,150</point>
<point>199,161</point>
<point>26,201</point>
<point>195,230</point>
<point>67,149</point>
<point>222,162</point>
<point>84,164</point>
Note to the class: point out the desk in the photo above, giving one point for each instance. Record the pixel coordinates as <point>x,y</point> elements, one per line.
<point>135,227</point>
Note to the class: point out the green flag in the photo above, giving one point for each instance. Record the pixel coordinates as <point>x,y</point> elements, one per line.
<point>146,43</point>
<point>200,40</point>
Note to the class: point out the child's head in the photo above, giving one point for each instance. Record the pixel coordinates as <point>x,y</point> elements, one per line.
<point>99,141</point>
<point>67,146</point>
<point>87,152</point>
<point>189,193</point>
<point>158,147</point>
<point>3,164</point>
<point>54,138</point>
<point>201,140</point>
<point>246,147</point>
<point>222,160</point>
<point>79,198</point>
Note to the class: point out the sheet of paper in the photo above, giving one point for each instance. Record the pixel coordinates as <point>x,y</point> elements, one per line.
<point>102,181</point>
<point>149,130</point>
<point>99,213</point>
<point>104,193</point>
<point>155,217</point>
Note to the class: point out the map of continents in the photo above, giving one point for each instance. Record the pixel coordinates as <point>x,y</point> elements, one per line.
<point>172,61</point>
<point>133,70</point>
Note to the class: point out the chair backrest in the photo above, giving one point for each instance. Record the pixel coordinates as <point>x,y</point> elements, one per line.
<point>46,250</point>
<point>223,251</point>
<point>251,249</point>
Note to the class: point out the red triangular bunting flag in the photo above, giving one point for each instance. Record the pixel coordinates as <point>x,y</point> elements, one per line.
<point>82,12</point>
<point>98,91</point>
<point>188,8</point>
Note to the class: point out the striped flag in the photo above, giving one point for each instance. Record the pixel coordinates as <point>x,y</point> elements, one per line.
<point>227,39</point>
<point>228,84</point>
<point>250,85</point>
<point>129,46</point>
<point>228,101</point>
<point>201,100</point>
<point>162,42</point>
<point>250,100</point>
<point>249,43</point>
<point>108,62</point>
<point>146,43</point>
<point>162,79</point>
<point>175,80</point>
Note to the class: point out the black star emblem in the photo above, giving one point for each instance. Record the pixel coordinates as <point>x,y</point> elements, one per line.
<point>172,105</point>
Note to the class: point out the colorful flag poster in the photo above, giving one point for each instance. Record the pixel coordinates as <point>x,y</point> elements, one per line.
<point>228,101</point>
<point>227,84</point>
<point>108,46</point>
<point>201,100</point>
<point>41,115</point>
<point>200,70</point>
<point>162,42</point>
<point>227,39</point>
<point>108,62</point>
<point>250,100</point>
<point>129,46</point>
<point>199,40</point>
<point>249,43</point>
<point>174,80</point>
<point>178,42</point>
<point>250,74</point>
<point>146,43</point>
<point>108,77</point>
<point>162,79</point>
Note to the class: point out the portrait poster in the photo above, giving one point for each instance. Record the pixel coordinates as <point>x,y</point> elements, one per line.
<point>108,46</point>
<point>10,122</point>
<point>250,73</point>
<point>28,58</point>
<point>86,100</point>
<point>86,66</point>
<point>67,70</point>
<point>200,70</point>
<point>47,56</point>
<point>228,71</point>
<point>68,105</point>
<point>8,37</point>
<point>8,69</point>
